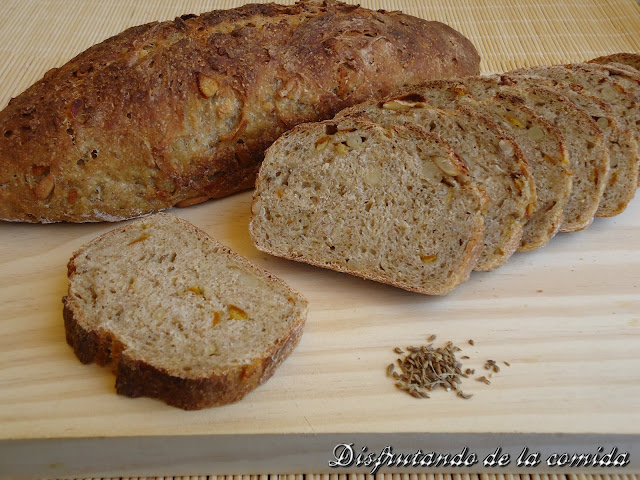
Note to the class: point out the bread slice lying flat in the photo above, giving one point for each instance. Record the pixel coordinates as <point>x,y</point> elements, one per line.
<point>394,205</point>
<point>541,142</point>
<point>179,316</point>
<point>495,161</point>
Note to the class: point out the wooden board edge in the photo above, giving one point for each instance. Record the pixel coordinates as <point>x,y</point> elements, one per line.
<point>321,454</point>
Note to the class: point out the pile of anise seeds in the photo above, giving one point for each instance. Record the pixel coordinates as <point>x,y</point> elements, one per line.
<point>426,368</point>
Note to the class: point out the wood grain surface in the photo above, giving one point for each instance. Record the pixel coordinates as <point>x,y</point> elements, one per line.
<point>566,317</point>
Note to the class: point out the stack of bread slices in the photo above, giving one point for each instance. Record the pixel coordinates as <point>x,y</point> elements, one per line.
<point>424,186</point>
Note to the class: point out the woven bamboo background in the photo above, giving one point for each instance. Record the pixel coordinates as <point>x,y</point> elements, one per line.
<point>38,35</point>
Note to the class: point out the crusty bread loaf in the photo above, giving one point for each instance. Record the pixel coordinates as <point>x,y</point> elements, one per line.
<point>494,159</point>
<point>601,85</point>
<point>542,144</point>
<point>179,316</point>
<point>630,59</point>
<point>177,112</point>
<point>395,205</point>
<point>585,143</point>
<point>620,143</point>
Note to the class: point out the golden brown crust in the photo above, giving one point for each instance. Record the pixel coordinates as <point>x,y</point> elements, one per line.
<point>166,112</point>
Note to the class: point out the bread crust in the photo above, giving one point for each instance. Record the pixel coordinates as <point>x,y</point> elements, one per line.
<point>137,378</point>
<point>625,58</point>
<point>177,112</point>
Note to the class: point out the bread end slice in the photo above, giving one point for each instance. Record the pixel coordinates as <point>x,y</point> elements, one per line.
<point>177,315</point>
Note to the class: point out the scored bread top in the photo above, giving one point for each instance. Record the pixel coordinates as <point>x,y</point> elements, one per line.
<point>160,294</point>
<point>495,161</point>
<point>180,111</point>
<point>394,205</point>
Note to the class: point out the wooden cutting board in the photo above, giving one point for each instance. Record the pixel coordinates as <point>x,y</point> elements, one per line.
<point>565,317</point>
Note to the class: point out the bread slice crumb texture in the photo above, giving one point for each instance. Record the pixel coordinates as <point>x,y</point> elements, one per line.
<point>395,205</point>
<point>175,299</point>
<point>495,161</point>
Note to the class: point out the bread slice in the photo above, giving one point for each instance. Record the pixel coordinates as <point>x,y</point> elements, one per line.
<point>629,79</point>
<point>624,67</point>
<point>542,144</point>
<point>495,161</point>
<point>395,205</point>
<point>630,59</point>
<point>599,84</point>
<point>584,140</point>
<point>179,316</point>
<point>620,143</point>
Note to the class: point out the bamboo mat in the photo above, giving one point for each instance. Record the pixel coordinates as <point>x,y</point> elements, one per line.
<point>38,35</point>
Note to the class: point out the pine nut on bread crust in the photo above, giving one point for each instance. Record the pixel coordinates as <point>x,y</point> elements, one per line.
<point>495,161</point>
<point>177,112</point>
<point>177,315</point>
<point>395,205</point>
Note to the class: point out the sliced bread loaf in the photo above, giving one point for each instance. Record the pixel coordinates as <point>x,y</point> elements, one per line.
<point>542,144</point>
<point>179,316</point>
<point>626,77</point>
<point>395,205</point>
<point>585,143</point>
<point>620,143</point>
<point>495,161</point>
<point>598,84</point>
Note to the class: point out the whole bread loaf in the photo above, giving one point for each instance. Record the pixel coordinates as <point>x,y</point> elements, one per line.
<point>178,316</point>
<point>177,112</point>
